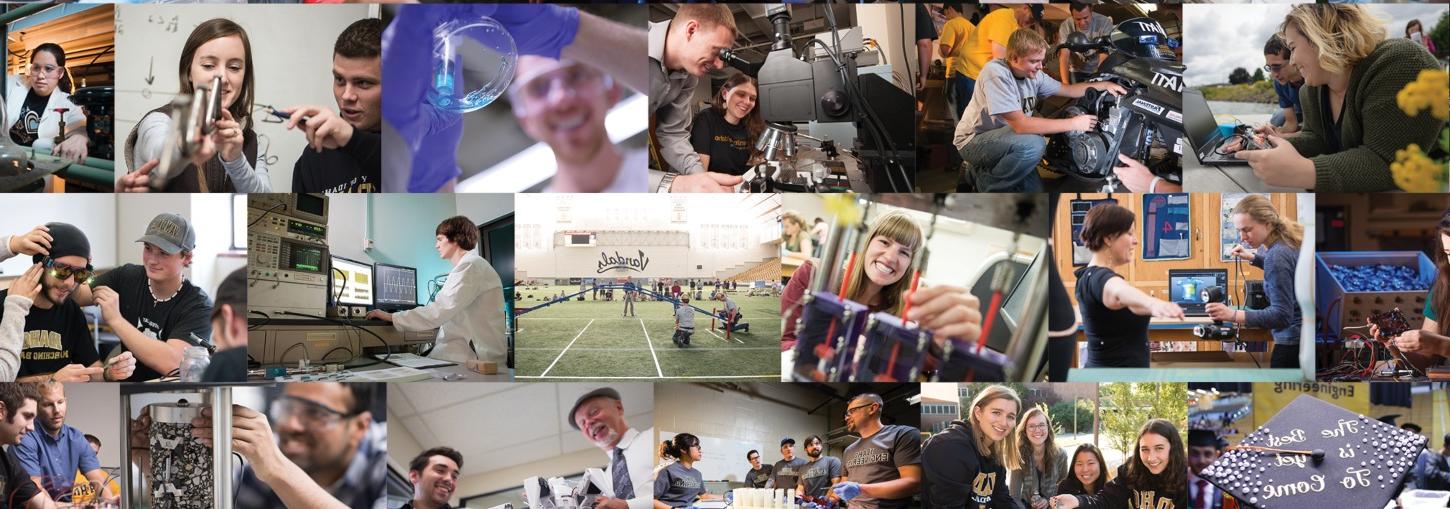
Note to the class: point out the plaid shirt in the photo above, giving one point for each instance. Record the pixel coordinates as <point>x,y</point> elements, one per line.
<point>361,486</point>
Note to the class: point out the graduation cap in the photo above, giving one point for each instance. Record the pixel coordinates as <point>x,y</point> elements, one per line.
<point>1315,454</point>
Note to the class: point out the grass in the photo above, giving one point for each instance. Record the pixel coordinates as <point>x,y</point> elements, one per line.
<point>575,340</point>
<point>1256,92</point>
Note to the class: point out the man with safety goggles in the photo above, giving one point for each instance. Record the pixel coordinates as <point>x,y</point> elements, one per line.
<point>564,104</point>
<point>42,329</point>
<point>325,455</point>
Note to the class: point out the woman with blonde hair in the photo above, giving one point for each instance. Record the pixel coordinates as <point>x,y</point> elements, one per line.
<point>1036,462</point>
<point>795,237</point>
<point>1269,241</point>
<point>879,280</point>
<point>1353,124</point>
<point>963,466</point>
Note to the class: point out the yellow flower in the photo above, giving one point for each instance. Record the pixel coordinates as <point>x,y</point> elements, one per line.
<point>1430,91</point>
<point>1416,173</point>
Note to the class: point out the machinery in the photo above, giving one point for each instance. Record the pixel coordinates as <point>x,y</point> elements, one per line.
<point>1149,116</point>
<point>830,89</point>
<point>287,255</point>
<point>1218,330</point>
<point>560,493</point>
<point>838,339</point>
<point>179,471</point>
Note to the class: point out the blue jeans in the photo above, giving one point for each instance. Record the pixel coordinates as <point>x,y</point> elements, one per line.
<point>1004,161</point>
<point>959,92</point>
<point>1278,119</point>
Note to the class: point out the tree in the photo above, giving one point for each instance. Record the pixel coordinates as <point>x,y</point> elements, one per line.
<point>1441,35</point>
<point>1258,74</point>
<point>1063,415</point>
<point>1127,406</point>
<point>1238,76</point>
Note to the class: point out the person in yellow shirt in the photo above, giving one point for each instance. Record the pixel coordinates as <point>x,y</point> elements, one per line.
<point>989,40</point>
<point>953,42</point>
<point>83,491</point>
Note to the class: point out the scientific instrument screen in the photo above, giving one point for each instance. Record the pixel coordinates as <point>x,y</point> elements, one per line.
<point>352,282</point>
<point>395,286</point>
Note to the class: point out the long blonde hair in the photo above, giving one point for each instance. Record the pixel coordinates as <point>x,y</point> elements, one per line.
<point>995,450</point>
<point>900,228</point>
<point>1258,208</point>
<point>1344,34</point>
<point>1019,455</point>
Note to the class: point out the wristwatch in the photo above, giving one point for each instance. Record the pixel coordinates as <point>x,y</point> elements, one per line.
<point>666,182</point>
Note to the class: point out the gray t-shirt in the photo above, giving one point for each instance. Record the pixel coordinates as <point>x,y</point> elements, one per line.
<point>678,486</point>
<point>757,478</point>
<point>817,475</point>
<point>1098,26</point>
<point>731,306</point>
<point>788,473</point>
<point>875,459</point>
<point>999,92</point>
<point>685,315</point>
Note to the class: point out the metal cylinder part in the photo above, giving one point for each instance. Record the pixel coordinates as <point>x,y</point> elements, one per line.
<point>181,467</point>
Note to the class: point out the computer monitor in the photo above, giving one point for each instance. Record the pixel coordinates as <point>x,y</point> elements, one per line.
<point>395,287</point>
<point>1185,286</point>
<point>351,282</point>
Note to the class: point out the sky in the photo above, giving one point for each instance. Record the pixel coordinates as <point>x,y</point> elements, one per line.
<point>1220,37</point>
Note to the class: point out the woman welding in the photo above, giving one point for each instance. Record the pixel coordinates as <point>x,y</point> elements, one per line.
<point>1115,314</point>
<point>879,281</point>
<point>468,311</point>
<point>1262,227</point>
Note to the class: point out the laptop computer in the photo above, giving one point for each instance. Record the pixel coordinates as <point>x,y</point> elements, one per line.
<point>1185,286</point>
<point>1203,131</point>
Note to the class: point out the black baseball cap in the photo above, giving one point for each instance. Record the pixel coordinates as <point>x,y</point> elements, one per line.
<point>787,440</point>
<point>602,392</point>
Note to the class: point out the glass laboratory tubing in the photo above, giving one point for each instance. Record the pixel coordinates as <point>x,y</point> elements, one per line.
<point>473,64</point>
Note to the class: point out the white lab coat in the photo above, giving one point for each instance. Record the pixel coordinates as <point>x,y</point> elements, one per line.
<point>469,307</point>
<point>15,92</point>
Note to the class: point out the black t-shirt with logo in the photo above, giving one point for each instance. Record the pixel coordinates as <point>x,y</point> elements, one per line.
<point>16,488</point>
<point>186,313</point>
<point>956,475</point>
<point>788,473</point>
<point>26,128</point>
<point>876,458</point>
<point>727,145</point>
<point>356,167</point>
<point>54,338</point>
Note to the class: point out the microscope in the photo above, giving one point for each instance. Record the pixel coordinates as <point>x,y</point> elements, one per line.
<point>828,89</point>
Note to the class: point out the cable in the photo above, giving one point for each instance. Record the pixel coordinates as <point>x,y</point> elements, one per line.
<point>264,214</point>
<point>384,342</point>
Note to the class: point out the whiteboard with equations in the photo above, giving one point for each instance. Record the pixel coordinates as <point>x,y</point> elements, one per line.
<point>721,459</point>
<point>291,51</point>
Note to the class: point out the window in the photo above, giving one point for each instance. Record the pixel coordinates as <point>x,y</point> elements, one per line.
<point>239,222</point>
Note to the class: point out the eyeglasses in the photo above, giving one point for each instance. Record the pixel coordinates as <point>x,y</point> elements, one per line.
<point>310,413</point>
<point>571,80</point>
<point>855,408</point>
<point>62,271</point>
<point>1036,427</point>
<point>1273,68</point>
<point>43,69</point>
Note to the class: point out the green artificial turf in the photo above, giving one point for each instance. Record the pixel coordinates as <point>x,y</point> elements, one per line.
<point>597,341</point>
